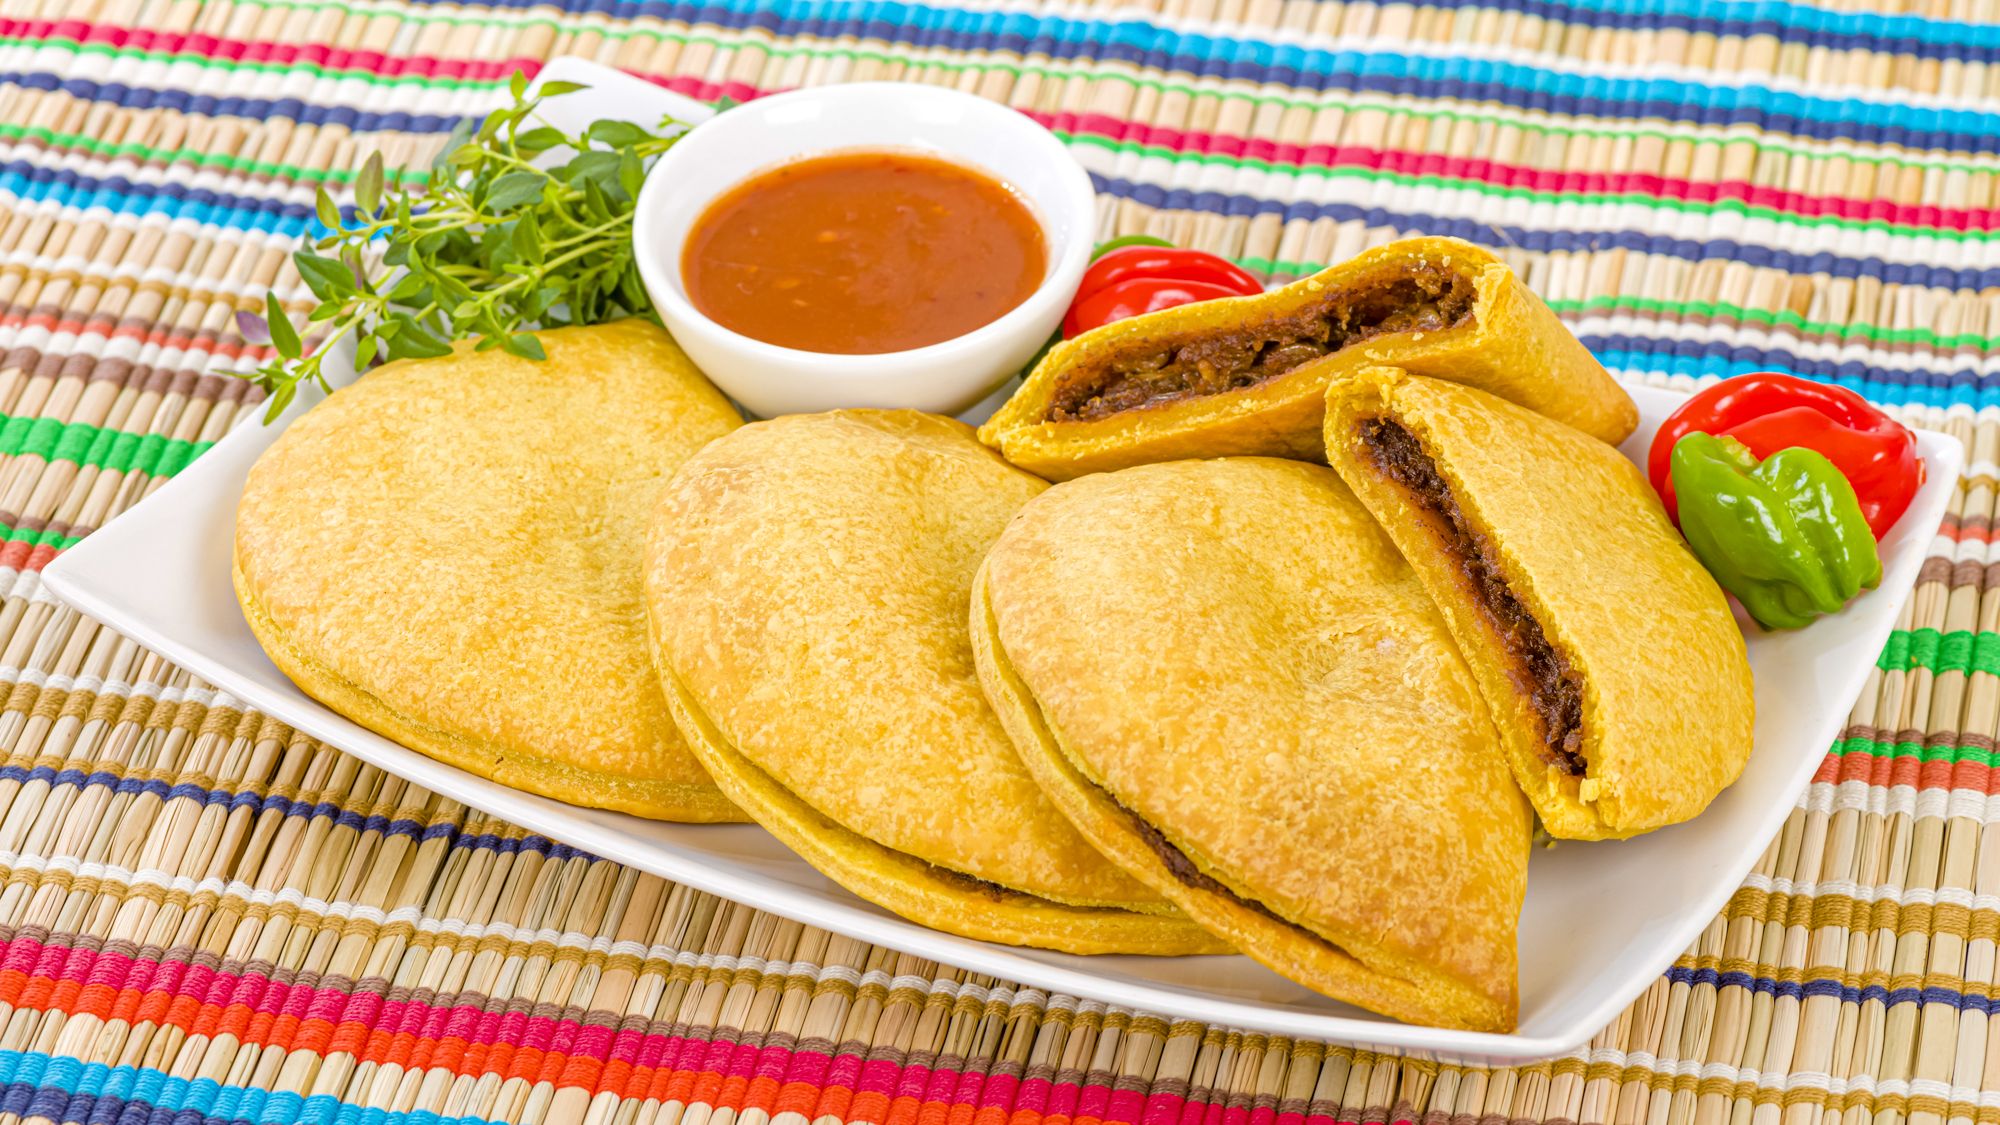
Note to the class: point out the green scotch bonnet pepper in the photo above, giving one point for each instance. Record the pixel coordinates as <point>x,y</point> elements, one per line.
<point>1785,535</point>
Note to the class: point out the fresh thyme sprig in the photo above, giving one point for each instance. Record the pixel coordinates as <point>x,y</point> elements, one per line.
<point>488,245</point>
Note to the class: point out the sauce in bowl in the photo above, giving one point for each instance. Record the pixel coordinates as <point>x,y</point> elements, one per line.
<point>863,253</point>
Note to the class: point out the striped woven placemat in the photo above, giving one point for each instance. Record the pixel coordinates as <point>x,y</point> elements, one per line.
<point>208,918</point>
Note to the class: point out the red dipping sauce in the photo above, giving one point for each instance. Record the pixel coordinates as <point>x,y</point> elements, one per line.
<point>864,252</point>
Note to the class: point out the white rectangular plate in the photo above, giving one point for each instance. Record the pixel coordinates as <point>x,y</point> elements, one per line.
<point>1601,920</point>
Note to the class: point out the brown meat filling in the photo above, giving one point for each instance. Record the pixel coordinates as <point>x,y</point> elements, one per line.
<point>1553,688</point>
<point>972,884</point>
<point>1183,869</point>
<point>1401,297</point>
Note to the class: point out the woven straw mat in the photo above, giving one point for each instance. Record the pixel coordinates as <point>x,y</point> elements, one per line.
<point>208,918</point>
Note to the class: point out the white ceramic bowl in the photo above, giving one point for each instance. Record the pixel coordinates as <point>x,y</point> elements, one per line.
<point>946,377</point>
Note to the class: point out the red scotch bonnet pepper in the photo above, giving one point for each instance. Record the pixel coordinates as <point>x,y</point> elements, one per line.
<point>1768,412</point>
<point>1137,275</point>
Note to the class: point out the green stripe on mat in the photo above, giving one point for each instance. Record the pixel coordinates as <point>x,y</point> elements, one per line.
<point>1481,188</point>
<point>1957,651</point>
<point>231,65</point>
<point>98,447</point>
<point>781,50</point>
<point>38,538</point>
<point>1773,318</point>
<point>1564,198</point>
<point>1534,128</point>
<point>200,158</point>
<point>1956,755</point>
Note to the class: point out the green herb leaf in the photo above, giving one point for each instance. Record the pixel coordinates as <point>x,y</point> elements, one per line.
<point>631,173</point>
<point>408,290</point>
<point>488,248</point>
<point>414,342</point>
<point>327,278</point>
<point>490,127</point>
<point>595,203</point>
<point>280,399</point>
<point>527,240</point>
<point>540,139</point>
<point>514,189</point>
<point>453,141</point>
<point>284,337</point>
<point>368,184</point>
<point>596,165</point>
<point>324,209</point>
<point>615,134</point>
<point>449,290</point>
<point>350,257</point>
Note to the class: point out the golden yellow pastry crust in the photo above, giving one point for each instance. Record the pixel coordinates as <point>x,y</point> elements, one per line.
<point>1512,346</point>
<point>808,582</point>
<point>448,553</point>
<point>1230,654</point>
<point>1582,541</point>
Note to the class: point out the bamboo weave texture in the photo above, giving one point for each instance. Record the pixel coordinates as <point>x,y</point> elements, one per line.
<point>206,918</point>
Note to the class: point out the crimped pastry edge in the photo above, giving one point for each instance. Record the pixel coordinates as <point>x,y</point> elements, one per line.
<point>1555,796</point>
<point>1282,416</point>
<point>654,800</point>
<point>1558,798</point>
<point>912,887</point>
<point>1281,946</point>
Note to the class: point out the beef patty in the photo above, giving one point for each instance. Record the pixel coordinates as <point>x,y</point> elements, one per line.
<point>1400,297</point>
<point>1554,691</point>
